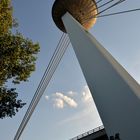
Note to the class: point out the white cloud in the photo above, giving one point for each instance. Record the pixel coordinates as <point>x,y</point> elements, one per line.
<point>71,93</point>
<point>58,103</point>
<point>84,117</point>
<point>47,97</point>
<point>87,112</point>
<point>86,95</point>
<point>69,101</point>
<point>60,100</point>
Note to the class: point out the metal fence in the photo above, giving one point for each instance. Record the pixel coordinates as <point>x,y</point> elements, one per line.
<point>88,133</point>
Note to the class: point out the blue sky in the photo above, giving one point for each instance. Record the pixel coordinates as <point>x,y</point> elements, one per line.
<point>66,108</point>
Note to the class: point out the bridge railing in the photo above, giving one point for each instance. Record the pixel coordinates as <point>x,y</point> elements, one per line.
<point>88,133</point>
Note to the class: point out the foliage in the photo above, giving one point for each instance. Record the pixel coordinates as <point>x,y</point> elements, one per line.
<point>9,105</point>
<point>6,19</point>
<point>17,57</point>
<point>17,60</point>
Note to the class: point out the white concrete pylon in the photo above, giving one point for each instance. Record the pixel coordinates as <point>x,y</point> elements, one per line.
<point>115,92</point>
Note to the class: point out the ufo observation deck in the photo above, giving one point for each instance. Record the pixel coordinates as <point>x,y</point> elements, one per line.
<point>81,10</point>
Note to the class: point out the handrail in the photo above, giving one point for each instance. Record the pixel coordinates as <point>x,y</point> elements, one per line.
<point>88,133</point>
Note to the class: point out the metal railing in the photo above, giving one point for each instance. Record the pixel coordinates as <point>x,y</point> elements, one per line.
<point>88,133</point>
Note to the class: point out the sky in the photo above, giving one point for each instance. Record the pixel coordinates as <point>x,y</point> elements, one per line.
<point>66,108</point>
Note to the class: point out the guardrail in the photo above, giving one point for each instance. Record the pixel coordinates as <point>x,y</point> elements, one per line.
<point>88,133</point>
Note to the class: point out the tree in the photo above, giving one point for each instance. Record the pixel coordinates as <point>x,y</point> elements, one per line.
<point>17,57</point>
<point>6,19</point>
<point>9,104</point>
<point>17,60</point>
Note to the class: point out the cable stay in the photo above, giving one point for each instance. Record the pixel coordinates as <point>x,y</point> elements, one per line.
<point>98,7</point>
<point>98,1</point>
<point>40,84</point>
<point>113,5</point>
<point>106,3</point>
<point>86,19</point>
<point>54,62</point>
<point>118,13</point>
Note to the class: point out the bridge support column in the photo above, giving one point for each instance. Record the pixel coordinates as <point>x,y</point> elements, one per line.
<point>115,92</point>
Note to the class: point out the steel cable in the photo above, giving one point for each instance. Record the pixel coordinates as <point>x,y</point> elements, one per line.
<point>97,8</point>
<point>121,12</point>
<point>39,96</point>
<point>98,1</point>
<point>40,84</point>
<point>36,93</point>
<point>113,5</point>
<point>104,4</point>
<point>56,56</point>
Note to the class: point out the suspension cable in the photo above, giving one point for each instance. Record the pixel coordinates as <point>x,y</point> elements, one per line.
<point>38,98</point>
<point>42,80</point>
<point>117,13</point>
<point>113,5</point>
<point>40,84</point>
<point>104,4</point>
<point>98,1</point>
<point>61,48</point>
<point>89,12</point>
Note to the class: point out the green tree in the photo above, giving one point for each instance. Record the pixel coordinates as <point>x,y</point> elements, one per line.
<point>9,104</point>
<point>6,19</point>
<point>17,60</point>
